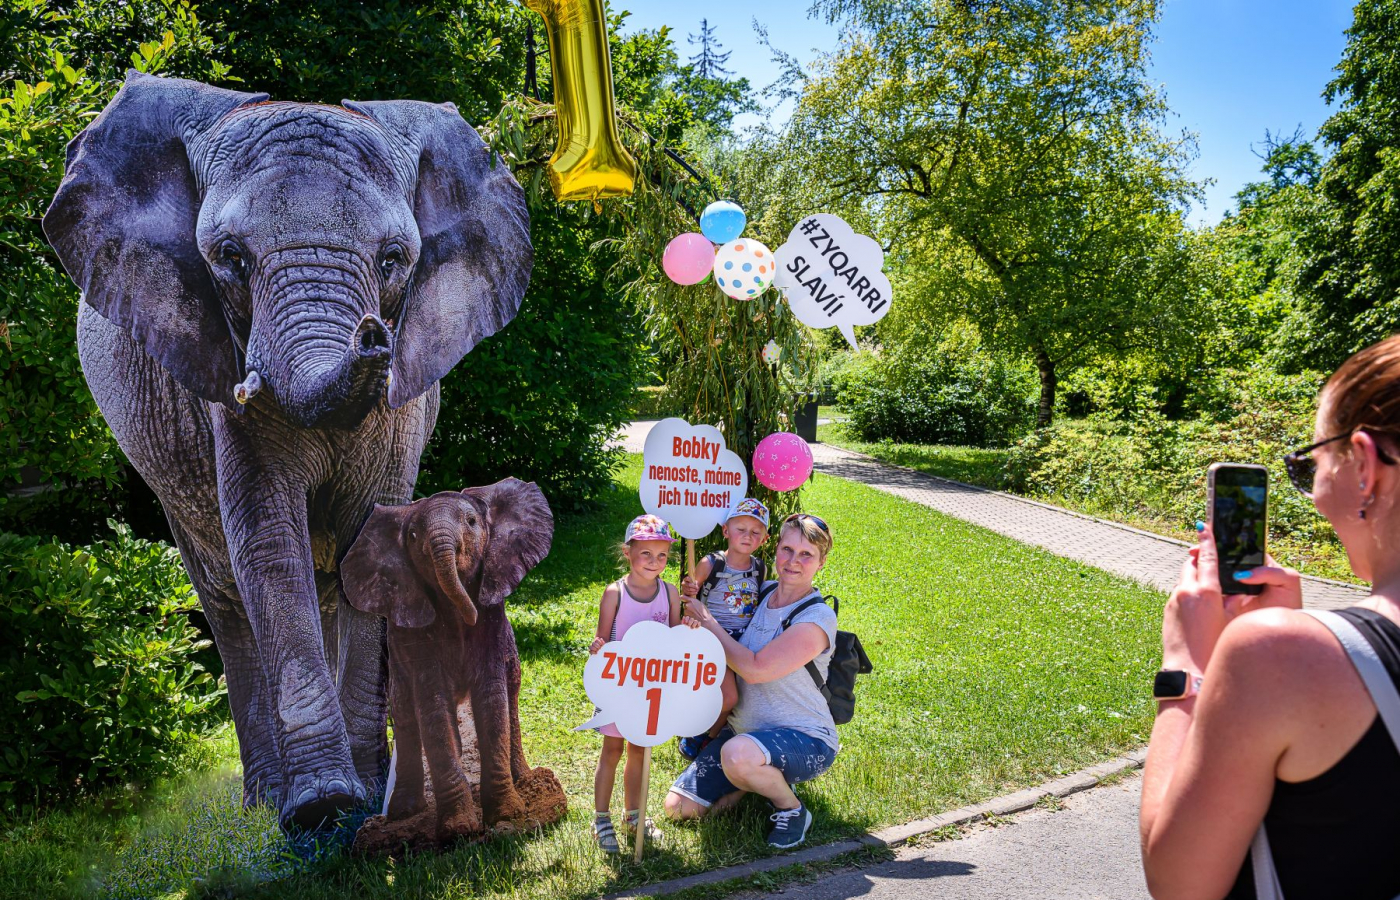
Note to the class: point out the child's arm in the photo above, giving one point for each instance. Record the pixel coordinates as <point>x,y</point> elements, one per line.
<point>607,613</point>
<point>675,599</point>
<point>690,584</point>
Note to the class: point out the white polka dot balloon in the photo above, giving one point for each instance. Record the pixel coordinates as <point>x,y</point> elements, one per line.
<point>744,268</point>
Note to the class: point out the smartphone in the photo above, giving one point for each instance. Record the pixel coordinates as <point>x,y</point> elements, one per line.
<point>1237,498</point>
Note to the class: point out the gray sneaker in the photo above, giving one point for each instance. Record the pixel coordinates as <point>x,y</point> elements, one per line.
<point>789,827</point>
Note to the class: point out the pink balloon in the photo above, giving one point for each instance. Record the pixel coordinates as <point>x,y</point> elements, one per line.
<point>782,461</point>
<point>688,258</point>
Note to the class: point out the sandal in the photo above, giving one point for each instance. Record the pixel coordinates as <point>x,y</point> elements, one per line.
<point>606,837</point>
<point>654,835</point>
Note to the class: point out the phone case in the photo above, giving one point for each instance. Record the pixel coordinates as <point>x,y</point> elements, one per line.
<point>1228,584</point>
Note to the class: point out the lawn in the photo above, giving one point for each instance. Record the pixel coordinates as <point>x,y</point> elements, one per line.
<point>997,666</point>
<point>987,468</point>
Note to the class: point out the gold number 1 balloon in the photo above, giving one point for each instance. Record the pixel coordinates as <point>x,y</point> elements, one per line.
<point>590,162</point>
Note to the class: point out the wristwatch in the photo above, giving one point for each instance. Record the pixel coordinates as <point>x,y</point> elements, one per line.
<point>1176,684</point>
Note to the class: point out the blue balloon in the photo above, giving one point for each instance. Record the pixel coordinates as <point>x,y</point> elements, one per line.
<point>722,222</point>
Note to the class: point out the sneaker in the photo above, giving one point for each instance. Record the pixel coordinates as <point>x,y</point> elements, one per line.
<point>691,747</point>
<point>789,827</point>
<point>606,837</point>
<point>654,835</point>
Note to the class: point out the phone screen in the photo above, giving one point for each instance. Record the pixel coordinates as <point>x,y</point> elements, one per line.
<point>1240,520</point>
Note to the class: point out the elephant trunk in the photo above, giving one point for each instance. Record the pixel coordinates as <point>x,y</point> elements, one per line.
<point>326,359</point>
<point>442,540</point>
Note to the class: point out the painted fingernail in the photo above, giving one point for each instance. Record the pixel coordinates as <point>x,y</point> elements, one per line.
<point>1243,574</point>
<point>1200,526</point>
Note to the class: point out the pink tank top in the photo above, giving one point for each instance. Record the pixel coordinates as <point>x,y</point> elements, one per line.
<point>631,611</point>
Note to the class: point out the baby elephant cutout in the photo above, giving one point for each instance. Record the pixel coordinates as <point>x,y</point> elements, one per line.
<point>439,570</point>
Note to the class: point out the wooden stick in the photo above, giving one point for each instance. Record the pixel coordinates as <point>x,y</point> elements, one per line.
<point>689,568</point>
<point>641,833</point>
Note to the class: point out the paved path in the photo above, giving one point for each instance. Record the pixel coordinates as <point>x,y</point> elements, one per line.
<point>1148,558</point>
<point>1088,849</point>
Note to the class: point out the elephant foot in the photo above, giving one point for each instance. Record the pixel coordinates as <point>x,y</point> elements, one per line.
<point>543,798</point>
<point>463,821</point>
<point>315,801</point>
<point>380,836</point>
<point>257,792</point>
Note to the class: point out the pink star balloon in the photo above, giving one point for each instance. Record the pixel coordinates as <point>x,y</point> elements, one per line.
<point>782,461</point>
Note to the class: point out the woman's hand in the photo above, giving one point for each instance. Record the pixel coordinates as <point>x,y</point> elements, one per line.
<point>596,646</point>
<point>1195,612</point>
<point>700,615</point>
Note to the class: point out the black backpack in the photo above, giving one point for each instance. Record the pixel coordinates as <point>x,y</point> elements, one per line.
<point>717,569</point>
<point>848,660</point>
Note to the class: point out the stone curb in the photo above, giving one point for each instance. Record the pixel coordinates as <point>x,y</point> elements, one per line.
<point>1361,592</point>
<point>895,835</point>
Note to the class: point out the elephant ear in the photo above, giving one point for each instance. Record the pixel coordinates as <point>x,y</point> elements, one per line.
<point>474,264</point>
<point>378,576</point>
<point>123,224</point>
<point>521,530</point>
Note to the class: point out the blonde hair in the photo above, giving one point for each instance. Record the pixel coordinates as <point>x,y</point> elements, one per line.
<point>814,534</point>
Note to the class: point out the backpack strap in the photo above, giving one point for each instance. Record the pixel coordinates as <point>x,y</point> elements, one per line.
<point>1379,685</point>
<point>716,570</point>
<point>811,663</point>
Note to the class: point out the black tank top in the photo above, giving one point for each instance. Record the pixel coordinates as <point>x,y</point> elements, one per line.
<point>1337,835</point>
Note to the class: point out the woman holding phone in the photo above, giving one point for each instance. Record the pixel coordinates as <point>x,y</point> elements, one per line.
<point>1273,723</point>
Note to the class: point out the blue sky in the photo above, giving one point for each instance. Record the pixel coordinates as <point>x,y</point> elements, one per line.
<point>1230,68</point>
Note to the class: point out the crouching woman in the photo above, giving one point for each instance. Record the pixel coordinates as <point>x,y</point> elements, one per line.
<point>781,731</point>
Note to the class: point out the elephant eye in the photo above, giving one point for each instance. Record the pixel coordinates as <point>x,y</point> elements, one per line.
<point>232,256</point>
<point>471,521</point>
<point>393,258</point>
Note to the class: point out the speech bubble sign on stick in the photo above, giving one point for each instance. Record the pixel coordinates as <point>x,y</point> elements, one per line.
<point>832,276</point>
<point>689,478</point>
<point>656,683</point>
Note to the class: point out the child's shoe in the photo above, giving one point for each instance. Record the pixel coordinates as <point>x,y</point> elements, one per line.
<point>604,834</point>
<point>654,835</point>
<point>691,747</point>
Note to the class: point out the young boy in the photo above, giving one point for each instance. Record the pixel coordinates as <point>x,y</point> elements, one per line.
<point>727,583</point>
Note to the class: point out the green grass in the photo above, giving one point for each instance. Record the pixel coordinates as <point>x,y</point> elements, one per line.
<point>998,666</point>
<point>986,468</point>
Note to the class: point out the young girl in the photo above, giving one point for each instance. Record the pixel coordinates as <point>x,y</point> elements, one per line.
<point>640,596</point>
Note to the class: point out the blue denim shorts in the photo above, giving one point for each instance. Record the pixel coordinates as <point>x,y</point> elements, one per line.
<point>800,757</point>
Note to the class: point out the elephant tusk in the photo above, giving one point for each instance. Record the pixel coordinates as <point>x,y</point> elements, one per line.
<point>248,389</point>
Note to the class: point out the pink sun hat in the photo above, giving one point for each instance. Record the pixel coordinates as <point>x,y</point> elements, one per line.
<point>647,527</point>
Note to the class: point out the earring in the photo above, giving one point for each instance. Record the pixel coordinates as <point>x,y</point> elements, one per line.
<point>1362,511</point>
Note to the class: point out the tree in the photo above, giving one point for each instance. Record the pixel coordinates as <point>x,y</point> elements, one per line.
<point>1010,157</point>
<point>1351,279</point>
<point>709,62</point>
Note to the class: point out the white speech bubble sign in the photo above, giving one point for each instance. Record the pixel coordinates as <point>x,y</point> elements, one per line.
<point>689,478</point>
<point>656,683</point>
<point>832,276</point>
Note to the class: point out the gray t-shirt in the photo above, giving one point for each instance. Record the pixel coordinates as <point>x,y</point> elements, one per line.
<point>792,701</point>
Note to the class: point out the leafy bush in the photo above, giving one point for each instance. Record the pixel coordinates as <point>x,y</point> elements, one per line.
<point>1153,470</point>
<point>60,62</point>
<point>952,395</point>
<point>98,682</point>
<point>654,402</point>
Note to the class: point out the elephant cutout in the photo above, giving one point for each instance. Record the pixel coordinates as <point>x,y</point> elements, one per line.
<point>270,293</point>
<point>439,570</point>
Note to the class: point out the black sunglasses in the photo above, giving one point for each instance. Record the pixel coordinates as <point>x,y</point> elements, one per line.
<point>1302,468</point>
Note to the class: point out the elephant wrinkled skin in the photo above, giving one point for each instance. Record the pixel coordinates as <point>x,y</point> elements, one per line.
<point>439,571</point>
<point>271,292</point>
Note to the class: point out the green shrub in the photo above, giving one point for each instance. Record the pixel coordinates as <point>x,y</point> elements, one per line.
<point>655,402</point>
<point>60,62</point>
<point>98,683</point>
<point>1153,470</point>
<point>950,395</point>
